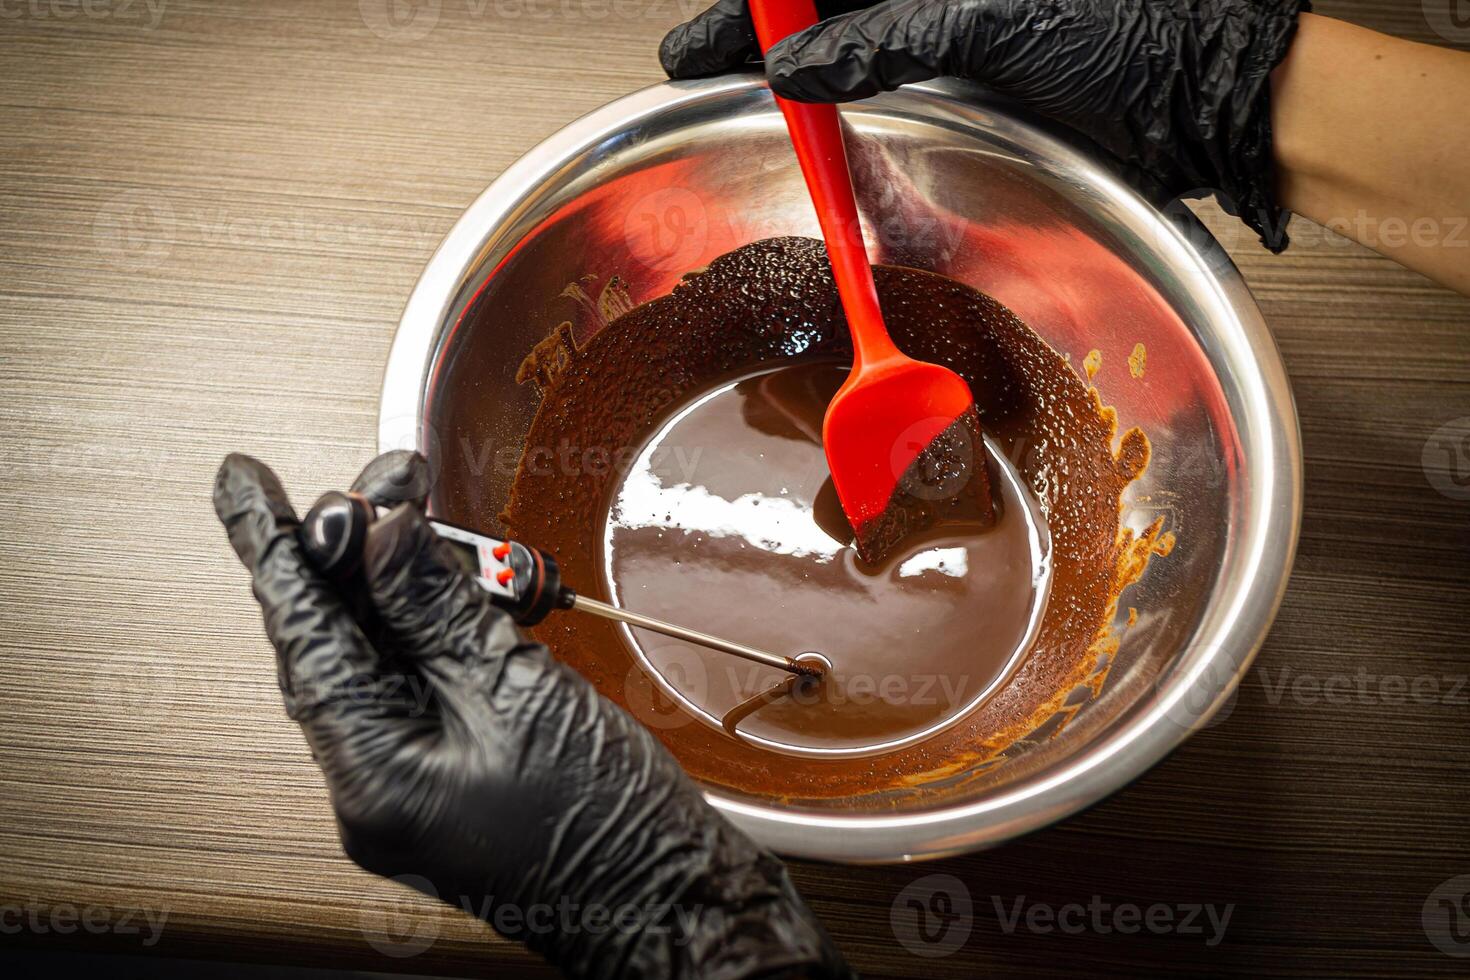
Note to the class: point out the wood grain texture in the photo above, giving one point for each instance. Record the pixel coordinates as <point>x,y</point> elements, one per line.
<point>208,228</point>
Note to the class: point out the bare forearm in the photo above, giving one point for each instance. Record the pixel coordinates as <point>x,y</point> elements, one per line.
<point>1373,141</point>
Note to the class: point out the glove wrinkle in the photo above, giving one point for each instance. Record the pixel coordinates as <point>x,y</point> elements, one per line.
<point>1178,94</point>
<point>321,652</point>
<point>415,594</point>
<point>459,753</point>
<point>717,40</point>
<point>252,505</point>
<point>396,477</point>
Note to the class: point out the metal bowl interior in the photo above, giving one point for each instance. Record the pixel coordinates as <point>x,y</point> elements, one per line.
<point>958,182</point>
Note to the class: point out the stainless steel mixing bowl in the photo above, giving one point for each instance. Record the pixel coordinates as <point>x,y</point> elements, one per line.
<point>956,181</point>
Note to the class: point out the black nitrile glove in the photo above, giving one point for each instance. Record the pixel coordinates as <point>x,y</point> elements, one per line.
<point>515,783</point>
<point>1179,89</point>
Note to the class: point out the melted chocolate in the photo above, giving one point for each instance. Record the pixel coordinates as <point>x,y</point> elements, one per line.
<point>714,523</point>
<point>769,304</point>
<point>946,485</point>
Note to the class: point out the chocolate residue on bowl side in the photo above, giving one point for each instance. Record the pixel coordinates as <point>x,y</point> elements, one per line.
<point>774,301</point>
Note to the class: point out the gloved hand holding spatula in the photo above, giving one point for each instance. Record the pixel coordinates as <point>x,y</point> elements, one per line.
<point>1176,90</point>
<point>1179,91</point>
<point>1272,109</point>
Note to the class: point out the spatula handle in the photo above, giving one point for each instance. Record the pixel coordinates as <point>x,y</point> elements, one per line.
<point>816,132</point>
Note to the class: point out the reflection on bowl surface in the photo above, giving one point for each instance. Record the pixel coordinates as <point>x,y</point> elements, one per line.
<point>617,208</point>
<point>716,525</point>
<point>729,530</point>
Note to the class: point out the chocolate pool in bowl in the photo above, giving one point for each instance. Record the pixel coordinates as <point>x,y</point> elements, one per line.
<point>728,515</point>
<point>720,531</point>
<point>1089,284</point>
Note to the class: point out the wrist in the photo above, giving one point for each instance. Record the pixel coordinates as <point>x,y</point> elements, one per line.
<point>1238,142</point>
<point>1311,165</point>
<point>1370,143</point>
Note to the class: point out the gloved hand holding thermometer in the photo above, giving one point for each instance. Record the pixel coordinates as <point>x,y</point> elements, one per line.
<point>523,580</point>
<point>517,784</point>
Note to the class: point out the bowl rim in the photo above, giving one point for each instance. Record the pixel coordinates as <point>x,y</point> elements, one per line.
<point>1229,638</point>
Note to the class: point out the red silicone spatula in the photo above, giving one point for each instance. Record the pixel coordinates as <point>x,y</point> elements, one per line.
<point>891,407</point>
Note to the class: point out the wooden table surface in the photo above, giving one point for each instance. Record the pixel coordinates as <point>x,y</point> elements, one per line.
<point>211,213</point>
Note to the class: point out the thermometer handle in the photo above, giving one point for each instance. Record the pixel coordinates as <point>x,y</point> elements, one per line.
<point>522,580</point>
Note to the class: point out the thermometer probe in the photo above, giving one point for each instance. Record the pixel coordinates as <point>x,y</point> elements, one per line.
<point>522,580</point>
